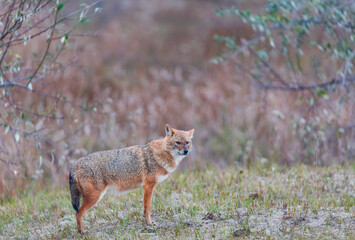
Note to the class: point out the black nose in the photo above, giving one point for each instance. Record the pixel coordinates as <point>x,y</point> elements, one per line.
<point>186,151</point>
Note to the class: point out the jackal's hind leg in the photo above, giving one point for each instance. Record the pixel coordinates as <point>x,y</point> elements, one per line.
<point>89,200</point>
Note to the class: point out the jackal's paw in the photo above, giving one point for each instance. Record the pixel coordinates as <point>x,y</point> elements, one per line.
<point>150,223</point>
<point>151,228</point>
<point>83,232</point>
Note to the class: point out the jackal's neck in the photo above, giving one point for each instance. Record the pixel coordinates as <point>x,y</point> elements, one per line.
<point>158,145</point>
<point>162,154</point>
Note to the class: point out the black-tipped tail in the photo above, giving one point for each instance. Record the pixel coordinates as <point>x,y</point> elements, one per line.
<point>74,192</point>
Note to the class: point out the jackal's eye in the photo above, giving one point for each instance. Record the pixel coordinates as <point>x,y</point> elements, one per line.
<point>187,142</point>
<point>177,142</point>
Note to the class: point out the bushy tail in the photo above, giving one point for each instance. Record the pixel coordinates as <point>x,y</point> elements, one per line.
<point>74,191</point>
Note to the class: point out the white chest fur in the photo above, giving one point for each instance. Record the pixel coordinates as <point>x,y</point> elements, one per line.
<point>177,158</point>
<point>161,178</point>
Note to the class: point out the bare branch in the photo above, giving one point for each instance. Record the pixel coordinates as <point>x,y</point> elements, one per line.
<point>271,69</point>
<point>47,49</point>
<point>34,134</point>
<point>305,87</point>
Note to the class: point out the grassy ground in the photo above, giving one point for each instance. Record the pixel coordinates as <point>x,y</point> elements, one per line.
<point>277,203</point>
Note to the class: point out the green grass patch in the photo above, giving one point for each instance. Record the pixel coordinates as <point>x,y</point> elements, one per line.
<point>297,202</point>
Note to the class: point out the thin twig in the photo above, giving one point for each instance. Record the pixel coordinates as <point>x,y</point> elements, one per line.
<point>307,87</point>
<point>47,49</point>
<point>34,134</point>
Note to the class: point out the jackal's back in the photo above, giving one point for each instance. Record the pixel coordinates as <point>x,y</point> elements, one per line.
<point>111,166</point>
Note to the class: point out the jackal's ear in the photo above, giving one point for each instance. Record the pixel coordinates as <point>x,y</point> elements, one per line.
<point>191,133</point>
<point>169,131</point>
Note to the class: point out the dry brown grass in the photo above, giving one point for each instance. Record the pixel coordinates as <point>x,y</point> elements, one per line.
<point>148,66</point>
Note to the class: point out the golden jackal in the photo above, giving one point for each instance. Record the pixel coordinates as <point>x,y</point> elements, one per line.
<point>127,169</point>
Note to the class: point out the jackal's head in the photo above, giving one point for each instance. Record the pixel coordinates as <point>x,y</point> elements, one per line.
<point>178,141</point>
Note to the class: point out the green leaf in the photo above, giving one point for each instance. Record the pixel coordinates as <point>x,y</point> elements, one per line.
<point>7,129</point>
<point>60,6</point>
<point>216,60</point>
<point>308,128</point>
<point>97,10</point>
<point>312,43</point>
<point>263,55</point>
<point>84,20</point>
<point>311,102</point>
<point>322,93</point>
<point>17,137</point>
<point>272,43</point>
<point>220,12</point>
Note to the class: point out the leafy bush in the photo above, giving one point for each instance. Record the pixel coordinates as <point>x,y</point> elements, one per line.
<point>306,48</point>
<point>33,37</point>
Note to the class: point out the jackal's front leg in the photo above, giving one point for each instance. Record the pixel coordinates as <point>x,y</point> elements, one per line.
<point>148,193</point>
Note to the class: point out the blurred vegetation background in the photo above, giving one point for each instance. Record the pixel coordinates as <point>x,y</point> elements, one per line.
<point>262,82</point>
